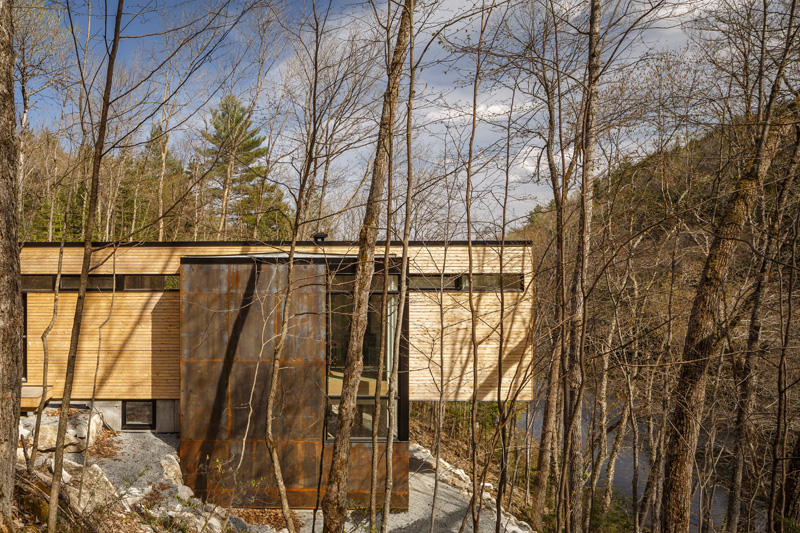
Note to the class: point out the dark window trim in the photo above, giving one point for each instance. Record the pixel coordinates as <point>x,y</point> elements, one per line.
<point>126,289</point>
<point>119,283</point>
<point>402,401</point>
<point>52,283</point>
<point>125,425</point>
<point>520,288</point>
<point>461,283</point>
<point>371,293</point>
<point>457,280</point>
<point>277,244</point>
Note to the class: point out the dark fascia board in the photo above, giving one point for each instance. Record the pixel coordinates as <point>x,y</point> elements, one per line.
<point>276,244</point>
<point>347,262</point>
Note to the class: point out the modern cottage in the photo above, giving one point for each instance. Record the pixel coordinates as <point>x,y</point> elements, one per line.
<point>180,337</point>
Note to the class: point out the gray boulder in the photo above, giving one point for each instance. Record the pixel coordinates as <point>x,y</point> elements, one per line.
<point>98,492</point>
<point>172,470</point>
<point>47,439</point>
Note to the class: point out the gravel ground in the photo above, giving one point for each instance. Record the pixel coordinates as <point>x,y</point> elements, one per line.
<point>139,458</point>
<point>451,506</point>
<point>138,465</point>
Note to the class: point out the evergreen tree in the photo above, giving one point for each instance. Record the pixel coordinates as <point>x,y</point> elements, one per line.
<point>235,148</point>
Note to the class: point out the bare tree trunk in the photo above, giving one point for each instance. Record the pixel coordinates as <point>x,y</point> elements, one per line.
<point>387,496</point>
<point>547,460</point>
<point>776,501</point>
<point>701,333</point>
<point>11,301</point>
<point>616,448</point>
<point>549,416</point>
<point>529,414</point>
<point>749,367</point>
<point>635,452</point>
<point>273,386</point>
<point>161,174</point>
<point>376,406</point>
<point>222,227</point>
<point>573,447</point>
<point>86,452</point>
<point>602,400</point>
<point>164,149</point>
<point>334,505</point>
<point>23,124</point>
<point>477,489</point>
<point>504,408</point>
<point>440,405</point>
<point>97,158</point>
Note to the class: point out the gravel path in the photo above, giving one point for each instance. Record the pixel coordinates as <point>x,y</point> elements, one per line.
<point>451,506</point>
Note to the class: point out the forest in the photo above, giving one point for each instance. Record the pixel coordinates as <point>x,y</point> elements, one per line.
<point>647,150</point>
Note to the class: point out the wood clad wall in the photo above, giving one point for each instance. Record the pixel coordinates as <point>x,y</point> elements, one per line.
<point>139,350</point>
<point>150,321</point>
<point>430,359</point>
<point>166,259</point>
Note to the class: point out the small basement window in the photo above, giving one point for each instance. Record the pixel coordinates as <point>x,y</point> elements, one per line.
<point>138,414</point>
<point>147,282</point>
<point>98,283</point>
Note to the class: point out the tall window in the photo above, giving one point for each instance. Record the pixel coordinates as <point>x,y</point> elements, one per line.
<point>340,314</point>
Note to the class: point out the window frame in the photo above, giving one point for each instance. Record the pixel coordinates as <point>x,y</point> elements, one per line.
<point>461,282</point>
<point>401,399</point>
<point>29,276</point>
<point>120,283</point>
<point>517,286</point>
<point>163,289</point>
<point>456,286</point>
<point>117,280</point>
<point>127,426</point>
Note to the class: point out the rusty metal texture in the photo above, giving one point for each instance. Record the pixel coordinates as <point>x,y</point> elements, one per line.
<point>230,322</point>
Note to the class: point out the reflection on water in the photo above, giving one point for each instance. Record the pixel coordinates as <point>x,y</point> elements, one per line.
<point>623,473</point>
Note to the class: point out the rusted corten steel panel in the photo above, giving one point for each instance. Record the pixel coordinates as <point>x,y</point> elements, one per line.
<point>230,322</point>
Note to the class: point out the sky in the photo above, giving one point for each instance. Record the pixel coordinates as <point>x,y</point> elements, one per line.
<point>444,93</point>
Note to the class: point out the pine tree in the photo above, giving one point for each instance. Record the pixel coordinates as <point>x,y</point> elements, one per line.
<point>235,149</point>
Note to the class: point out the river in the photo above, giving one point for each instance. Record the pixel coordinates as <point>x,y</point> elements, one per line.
<point>623,474</point>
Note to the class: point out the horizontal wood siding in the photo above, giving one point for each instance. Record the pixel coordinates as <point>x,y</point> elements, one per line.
<point>429,359</point>
<point>138,353</point>
<point>139,357</point>
<point>166,260</point>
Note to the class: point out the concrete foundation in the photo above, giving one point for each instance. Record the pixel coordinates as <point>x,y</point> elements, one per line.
<point>112,413</point>
<point>168,416</point>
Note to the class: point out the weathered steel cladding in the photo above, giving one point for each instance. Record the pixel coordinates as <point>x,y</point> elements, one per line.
<point>230,321</point>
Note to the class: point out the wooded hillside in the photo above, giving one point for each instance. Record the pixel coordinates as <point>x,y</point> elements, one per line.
<point>649,150</point>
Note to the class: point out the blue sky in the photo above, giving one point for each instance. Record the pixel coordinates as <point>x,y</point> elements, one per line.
<point>441,87</point>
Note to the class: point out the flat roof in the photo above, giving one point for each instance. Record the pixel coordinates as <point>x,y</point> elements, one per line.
<point>167,244</point>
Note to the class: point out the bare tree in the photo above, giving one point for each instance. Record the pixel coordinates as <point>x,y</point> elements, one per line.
<point>702,335</point>
<point>334,504</point>
<point>99,150</point>
<point>11,300</point>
